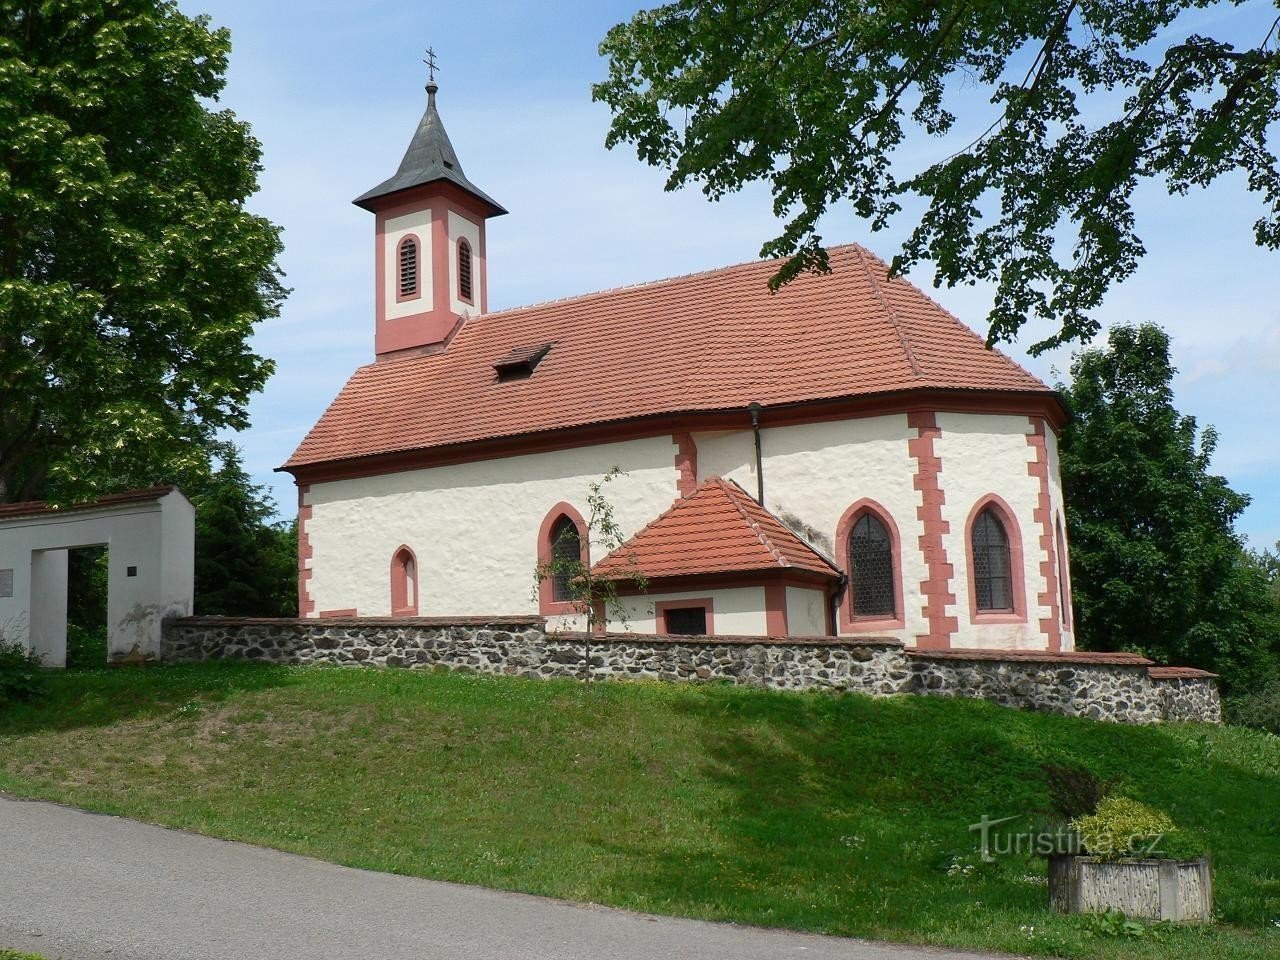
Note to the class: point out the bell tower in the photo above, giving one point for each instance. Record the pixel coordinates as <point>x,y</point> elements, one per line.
<point>429,246</point>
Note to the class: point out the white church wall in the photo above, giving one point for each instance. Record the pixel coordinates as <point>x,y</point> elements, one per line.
<point>396,229</point>
<point>814,472</point>
<point>1058,519</point>
<point>988,454</point>
<point>806,612</point>
<point>473,527</point>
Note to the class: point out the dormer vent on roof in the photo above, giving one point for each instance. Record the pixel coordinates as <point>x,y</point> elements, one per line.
<point>520,362</point>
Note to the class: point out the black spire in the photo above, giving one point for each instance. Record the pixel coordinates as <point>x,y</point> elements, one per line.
<point>430,157</point>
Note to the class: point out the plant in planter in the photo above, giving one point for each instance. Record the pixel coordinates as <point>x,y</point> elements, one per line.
<point>1135,861</point>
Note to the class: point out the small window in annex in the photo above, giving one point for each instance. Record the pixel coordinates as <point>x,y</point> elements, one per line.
<point>566,554</point>
<point>408,268</point>
<point>464,271</point>
<point>871,560</point>
<point>992,575</point>
<point>685,621</point>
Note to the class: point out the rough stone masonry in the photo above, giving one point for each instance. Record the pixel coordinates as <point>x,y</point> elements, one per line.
<point>1121,687</point>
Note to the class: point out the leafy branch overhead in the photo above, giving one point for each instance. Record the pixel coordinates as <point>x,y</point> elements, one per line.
<point>131,272</point>
<point>819,98</point>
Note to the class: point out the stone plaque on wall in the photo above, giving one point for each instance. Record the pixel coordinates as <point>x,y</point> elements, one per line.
<point>6,583</point>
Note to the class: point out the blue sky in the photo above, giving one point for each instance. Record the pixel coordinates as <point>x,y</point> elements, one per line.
<point>334,90</point>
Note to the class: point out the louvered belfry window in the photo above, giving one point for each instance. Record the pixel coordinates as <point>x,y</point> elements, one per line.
<point>871,557</point>
<point>464,270</point>
<point>408,268</point>
<point>992,575</point>
<point>566,555</point>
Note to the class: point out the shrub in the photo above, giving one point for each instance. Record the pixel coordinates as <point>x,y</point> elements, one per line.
<point>1073,791</point>
<point>1126,828</point>
<point>1259,709</point>
<point>85,647</point>
<point>22,675</point>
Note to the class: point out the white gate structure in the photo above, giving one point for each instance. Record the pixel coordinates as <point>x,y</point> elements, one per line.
<point>150,540</point>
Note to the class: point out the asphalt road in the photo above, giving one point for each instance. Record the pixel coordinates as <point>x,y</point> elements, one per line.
<point>79,886</point>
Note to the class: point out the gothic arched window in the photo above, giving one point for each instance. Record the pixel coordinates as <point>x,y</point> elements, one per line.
<point>404,583</point>
<point>992,569</point>
<point>407,268</point>
<point>871,568</point>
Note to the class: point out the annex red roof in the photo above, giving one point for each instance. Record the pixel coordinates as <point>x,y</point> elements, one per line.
<point>712,341</point>
<point>716,529</point>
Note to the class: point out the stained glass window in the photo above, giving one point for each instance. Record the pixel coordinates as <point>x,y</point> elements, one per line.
<point>992,577</point>
<point>871,557</point>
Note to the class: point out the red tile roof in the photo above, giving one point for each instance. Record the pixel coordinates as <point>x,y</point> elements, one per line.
<point>1178,673</point>
<point>705,342</point>
<point>32,508</point>
<point>716,529</point>
<point>1117,659</point>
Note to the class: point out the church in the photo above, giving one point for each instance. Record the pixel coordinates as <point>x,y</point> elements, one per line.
<point>840,458</point>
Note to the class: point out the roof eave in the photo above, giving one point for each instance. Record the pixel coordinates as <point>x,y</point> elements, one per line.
<point>375,198</point>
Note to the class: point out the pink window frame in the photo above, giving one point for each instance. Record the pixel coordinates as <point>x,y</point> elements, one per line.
<point>858,623</point>
<point>548,606</point>
<point>661,607</point>
<point>464,242</point>
<point>400,581</point>
<point>417,279</point>
<point>1017,584</point>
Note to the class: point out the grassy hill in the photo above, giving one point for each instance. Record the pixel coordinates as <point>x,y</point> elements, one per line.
<point>838,814</point>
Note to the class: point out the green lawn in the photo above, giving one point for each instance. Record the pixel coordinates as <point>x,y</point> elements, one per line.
<point>838,814</point>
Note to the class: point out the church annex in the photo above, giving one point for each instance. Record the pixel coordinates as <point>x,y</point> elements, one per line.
<point>843,457</point>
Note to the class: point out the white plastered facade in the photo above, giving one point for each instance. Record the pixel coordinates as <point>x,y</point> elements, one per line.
<point>474,527</point>
<point>150,573</point>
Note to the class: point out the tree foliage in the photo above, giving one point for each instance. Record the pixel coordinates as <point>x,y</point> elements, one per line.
<point>818,99</point>
<point>246,561</point>
<point>131,273</point>
<point>1156,564</point>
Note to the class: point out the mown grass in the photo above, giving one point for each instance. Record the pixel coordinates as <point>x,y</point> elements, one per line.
<point>836,814</point>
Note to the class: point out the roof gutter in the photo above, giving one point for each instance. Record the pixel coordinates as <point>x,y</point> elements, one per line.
<point>754,409</point>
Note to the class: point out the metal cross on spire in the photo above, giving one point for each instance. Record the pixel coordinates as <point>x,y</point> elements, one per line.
<point>432,66</point>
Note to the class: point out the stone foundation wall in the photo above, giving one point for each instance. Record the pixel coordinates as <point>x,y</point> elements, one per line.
<point>1118,687</point>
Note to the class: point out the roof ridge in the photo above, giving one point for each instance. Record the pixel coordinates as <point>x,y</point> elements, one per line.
<point>645,284</point>
<point>892,313</point>
<point>675,505</point>
<point>751,522</point>
<point>964,327</point>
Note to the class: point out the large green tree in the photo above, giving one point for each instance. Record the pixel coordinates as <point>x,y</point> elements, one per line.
<point>817,98</point>
<point>131,272</point>
<point>1155,561</point>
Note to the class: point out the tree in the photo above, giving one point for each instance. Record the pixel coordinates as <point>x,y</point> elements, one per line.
<point>246,564</point>
<point>816,98</point>
<point>1156,564</point>
<point>592,596</point>
<point>131,273</point>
